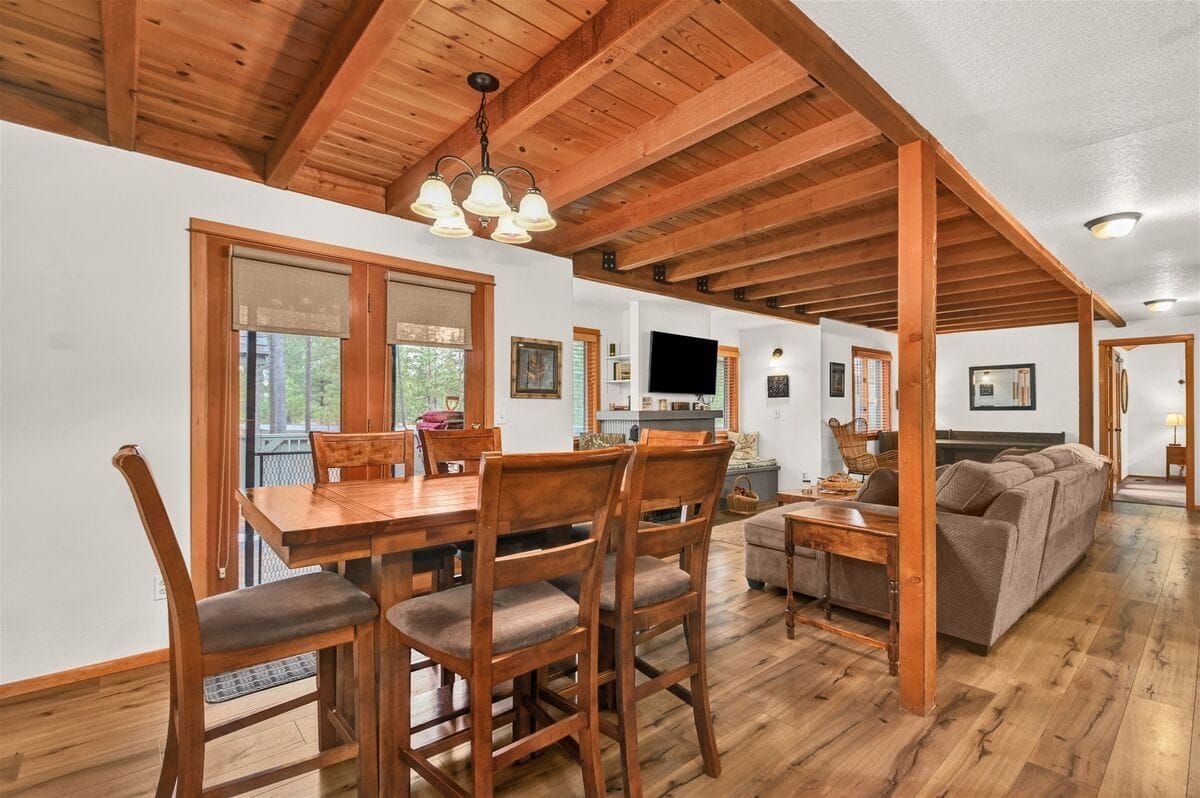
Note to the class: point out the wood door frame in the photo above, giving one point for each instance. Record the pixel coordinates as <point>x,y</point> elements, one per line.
<point>215,364</point>
<point>1188,340</point>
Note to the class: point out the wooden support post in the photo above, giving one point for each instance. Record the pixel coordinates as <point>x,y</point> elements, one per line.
<point>1087,373</point>
<point>917,298</point>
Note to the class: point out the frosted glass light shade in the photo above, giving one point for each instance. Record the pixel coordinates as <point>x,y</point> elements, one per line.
<point>1175,420</point>
<point>1159,305</point>
<point>434,198</point>
<point>487,196</point>
<point>535,213</point>
<point>1115,225</point>
<point>452,225</point>
<point>508,231</point>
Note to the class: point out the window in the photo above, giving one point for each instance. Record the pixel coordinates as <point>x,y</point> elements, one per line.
<point>871,388</point>
<point>585,379</point>
<point>726,398</point>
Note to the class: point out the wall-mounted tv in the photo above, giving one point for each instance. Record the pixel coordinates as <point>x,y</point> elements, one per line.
<point>682,364</point>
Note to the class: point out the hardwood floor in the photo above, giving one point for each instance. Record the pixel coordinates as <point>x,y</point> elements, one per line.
<point>1094,692</point>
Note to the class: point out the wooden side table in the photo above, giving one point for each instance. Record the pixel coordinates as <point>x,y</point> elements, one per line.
<point>847,532</point>
<point>1177,456</point>
<point>811,495</point>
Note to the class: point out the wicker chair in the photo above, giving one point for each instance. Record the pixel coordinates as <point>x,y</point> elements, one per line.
<point>852,441</point>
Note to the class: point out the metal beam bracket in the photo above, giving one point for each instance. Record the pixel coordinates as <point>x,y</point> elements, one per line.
<point>660,272</point>
<point>702,285</point>
<point>608,261</point>
<point>739,294</point>
<point>773,302</point>
<point>800,309</point>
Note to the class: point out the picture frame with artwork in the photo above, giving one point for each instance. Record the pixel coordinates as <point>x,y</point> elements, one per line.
<point>777,386</point>
<point>837,380</point>
<point>536,369</point>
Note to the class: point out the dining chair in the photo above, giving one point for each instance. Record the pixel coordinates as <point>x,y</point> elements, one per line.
<point>674,437</point>
<point>454,452</point>
<point>643,595</point>
<point>510,621</point>
<point>313,612</point>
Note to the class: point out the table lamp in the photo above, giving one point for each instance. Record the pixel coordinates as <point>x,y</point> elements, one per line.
<point>1175,420</point>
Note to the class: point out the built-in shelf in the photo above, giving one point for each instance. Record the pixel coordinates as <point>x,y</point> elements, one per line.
<point>616,382</point>
<point>617,357</point>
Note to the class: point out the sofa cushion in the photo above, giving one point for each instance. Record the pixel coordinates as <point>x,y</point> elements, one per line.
<point>761,462</point>
<point>882,487</point>
<point>1039,464</point>
<point>745,446</point>
<point>1062,458</point>
<point>1012,451</point>
<point>969,487</point>
<point>600,440</point>
<point>766,529</point>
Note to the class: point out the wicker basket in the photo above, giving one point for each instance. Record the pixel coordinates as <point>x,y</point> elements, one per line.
<point>742,504</point>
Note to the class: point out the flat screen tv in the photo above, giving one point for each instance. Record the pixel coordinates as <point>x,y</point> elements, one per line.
<point>682,364</point>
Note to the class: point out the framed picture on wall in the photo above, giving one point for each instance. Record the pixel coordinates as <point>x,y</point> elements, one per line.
<point>777,386</point>
<point>837,380</point>
<point>536,369</point>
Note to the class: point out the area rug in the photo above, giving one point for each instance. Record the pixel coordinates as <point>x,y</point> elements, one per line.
<point>1148,490</point>
<point>235,684</point>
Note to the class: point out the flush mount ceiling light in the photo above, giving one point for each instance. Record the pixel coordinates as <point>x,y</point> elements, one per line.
<point>1160,305</point>
<point>1115,225</point>
<point>490,196</point>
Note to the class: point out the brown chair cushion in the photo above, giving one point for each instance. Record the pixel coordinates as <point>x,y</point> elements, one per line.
<point>969,487</point>
<point>523,615</point>
<point>279,611</point>
<point>654,581</point>
<point>882,487</point>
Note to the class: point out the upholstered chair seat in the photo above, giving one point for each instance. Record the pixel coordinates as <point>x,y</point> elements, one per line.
<point>276,612</point>
<point>654,581</point>
<point>523,615</point>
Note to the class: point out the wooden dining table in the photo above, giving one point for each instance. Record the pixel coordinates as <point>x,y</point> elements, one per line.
<point>376,525</point>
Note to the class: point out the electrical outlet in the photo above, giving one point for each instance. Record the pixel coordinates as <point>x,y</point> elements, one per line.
<point>776,415</point>
<point>160,588</point>
<point>501,415</point>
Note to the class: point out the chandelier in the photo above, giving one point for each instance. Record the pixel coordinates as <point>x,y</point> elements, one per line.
<point>490,196</point>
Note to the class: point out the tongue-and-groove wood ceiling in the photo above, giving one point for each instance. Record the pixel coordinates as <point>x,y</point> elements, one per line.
<point>727,153</point>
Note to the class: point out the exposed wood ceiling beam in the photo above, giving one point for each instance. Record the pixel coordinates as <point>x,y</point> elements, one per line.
<point>831,195</point>
<point>762,85</point>
<point>975,252</point>
<point>1029,321</point>
<point>955,232</point>
<point>835,298</point>
<point>868,225</point>
<point>1012,304</point>
<point>795,34</point>
<point>355,49</point>
<point>119,21</point>
<point>587,266</point>
<point>884,267</point>
<point>954,176</point>
<point>54,114</point>
<point>600,45</point>
<point>840,136</point>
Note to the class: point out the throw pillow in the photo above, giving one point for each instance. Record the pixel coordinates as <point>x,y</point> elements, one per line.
<point>1061,458</point>
<point>745,446</point>
<point>600,440</point>
<point>970,487</point>
<point>883,487</point>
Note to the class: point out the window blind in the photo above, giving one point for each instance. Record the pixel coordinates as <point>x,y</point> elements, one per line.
<point>277,292</point>
<point>426,311</point>
<point>872,388</point>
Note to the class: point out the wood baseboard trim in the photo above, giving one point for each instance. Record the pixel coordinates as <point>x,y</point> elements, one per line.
<point>82,674</point>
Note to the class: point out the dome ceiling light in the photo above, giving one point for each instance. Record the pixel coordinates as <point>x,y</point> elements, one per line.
<point>1115,225</point>
<point>490,196</point>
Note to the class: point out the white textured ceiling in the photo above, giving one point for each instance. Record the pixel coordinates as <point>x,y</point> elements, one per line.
<point>1065,111</point>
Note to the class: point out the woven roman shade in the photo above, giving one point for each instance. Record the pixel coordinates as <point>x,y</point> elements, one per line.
<point>276,292</point>
<point>426,311</point>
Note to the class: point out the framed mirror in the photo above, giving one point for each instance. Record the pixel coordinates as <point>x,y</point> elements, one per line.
<point>1011,387</point>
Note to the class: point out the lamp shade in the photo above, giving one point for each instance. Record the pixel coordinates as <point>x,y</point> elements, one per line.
<point>487,196</point>
<point>535,213</point>
<point>452,225</point>
<point>508,232</point>
<point>434,198</point>
<point>1175,420</point>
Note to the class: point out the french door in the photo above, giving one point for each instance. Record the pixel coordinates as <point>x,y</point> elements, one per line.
<point>257,393</point>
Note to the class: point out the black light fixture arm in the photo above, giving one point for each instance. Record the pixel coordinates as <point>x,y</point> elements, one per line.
<point>523,170</point>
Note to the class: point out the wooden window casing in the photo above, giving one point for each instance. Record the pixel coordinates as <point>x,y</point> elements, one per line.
<point>728,358</point>
<point>366,363</point>
<point>862,398</point>
<point>590,338</point>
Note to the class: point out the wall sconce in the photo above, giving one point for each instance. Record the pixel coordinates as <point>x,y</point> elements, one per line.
<point>776,356</point>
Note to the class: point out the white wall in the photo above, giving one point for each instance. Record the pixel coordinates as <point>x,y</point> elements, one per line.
<point>789,428</point>
<point>613,325</point>
<point>1053,350</point>
<point>94,354</point>
<point>837,341</point>
<point>1154,391</point>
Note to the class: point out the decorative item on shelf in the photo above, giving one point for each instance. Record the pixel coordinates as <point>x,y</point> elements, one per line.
<point>622,370</point>
<point>617,406</point>
<point>452,402</point>
<point>1175,421</point>
<point>490,196</point>
<point>837,380</point>
<point>536,369</point>
<point>647,403</point>
<point>612,350</point>
<point>839,483</point>
<point>777,386</point>
<point>742,500</point>
<point>681,406</point>
<point>662,404</point>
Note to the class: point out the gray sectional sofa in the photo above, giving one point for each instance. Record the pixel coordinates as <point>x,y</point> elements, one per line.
<point>1007,532</point>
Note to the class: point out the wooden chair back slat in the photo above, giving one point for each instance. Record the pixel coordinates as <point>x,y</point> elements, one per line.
<point>361,450</point>
<point>674,437</point>
<point>442,447</point>
<point>661,541</point>
<point>519,492</point>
